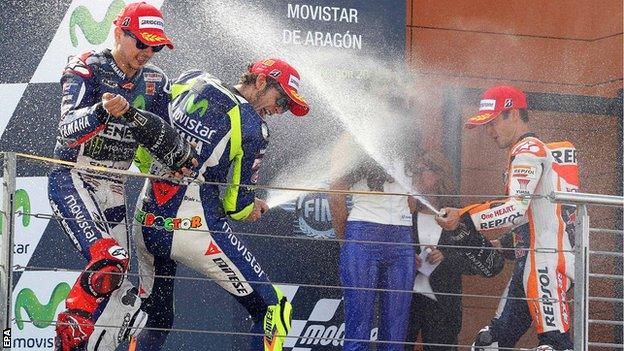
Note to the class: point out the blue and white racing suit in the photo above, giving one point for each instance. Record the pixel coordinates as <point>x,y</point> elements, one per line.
<point>92,205</point>
<point>84,138</point>
<point>189,223</point>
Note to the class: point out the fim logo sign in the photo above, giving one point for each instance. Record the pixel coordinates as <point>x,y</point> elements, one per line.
<point>6,338</point>
<point>324,329</point>
<point>313,217</point>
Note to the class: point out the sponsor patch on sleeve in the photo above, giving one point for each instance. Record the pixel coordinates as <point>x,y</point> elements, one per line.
<point>523,171</point>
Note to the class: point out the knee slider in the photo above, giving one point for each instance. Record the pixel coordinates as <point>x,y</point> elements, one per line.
<point>277,322</point>
<point>105,272</point>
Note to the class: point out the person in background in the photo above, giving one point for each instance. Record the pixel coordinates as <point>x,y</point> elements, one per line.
<point>435,316</point>
<point>98,90</point>
<point>386,265</point>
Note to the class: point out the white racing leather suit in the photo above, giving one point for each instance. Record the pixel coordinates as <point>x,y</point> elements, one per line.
<point>534,171</point>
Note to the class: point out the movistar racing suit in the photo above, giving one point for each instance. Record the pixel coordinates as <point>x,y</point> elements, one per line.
<point>513,317</point>
<point>91,205</point>
<point>534,171</point>
<point>188,224</point>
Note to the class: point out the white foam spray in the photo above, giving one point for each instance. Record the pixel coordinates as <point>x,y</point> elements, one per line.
<point>368,97</point>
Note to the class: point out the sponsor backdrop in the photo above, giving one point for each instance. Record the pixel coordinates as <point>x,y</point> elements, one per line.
<point>38,38</point>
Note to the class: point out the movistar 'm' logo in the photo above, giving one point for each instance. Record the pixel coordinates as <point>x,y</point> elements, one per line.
<point>22,204</point>
<point>192,106</point>
<point>41,315</point>
<point>95,32</point>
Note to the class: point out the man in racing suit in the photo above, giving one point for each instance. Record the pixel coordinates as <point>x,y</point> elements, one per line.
<point>98,89</point>
<point>188,224</point>
<point>513,318</point>
<point>532,171</point>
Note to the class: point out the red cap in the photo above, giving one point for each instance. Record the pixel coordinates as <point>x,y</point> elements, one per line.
<point>496,100</point>
<point>288,78</point>
<point>145,22</point>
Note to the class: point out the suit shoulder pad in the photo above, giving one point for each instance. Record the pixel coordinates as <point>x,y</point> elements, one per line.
<point>532,146</point>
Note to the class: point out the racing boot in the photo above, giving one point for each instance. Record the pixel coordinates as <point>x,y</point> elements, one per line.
<point>484,341</point>
<point>104,273</point>
<point>121,319</point>
<point>554,340</point>
<point>277,323</point>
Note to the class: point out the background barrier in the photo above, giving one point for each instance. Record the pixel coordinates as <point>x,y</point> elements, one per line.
<point>318,320</point>
<point>571,96</point>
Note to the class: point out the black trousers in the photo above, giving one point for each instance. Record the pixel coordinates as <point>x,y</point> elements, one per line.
<point>433,323</point>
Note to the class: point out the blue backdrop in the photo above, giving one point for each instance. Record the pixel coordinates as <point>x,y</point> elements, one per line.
<point>30,114</point>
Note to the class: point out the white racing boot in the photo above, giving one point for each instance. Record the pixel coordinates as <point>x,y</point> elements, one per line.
<point>121,319</point>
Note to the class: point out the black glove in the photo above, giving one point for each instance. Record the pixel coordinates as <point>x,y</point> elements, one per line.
<point>160,139</point>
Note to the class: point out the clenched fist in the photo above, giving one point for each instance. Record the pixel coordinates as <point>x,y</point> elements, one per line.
<point>115,105</point>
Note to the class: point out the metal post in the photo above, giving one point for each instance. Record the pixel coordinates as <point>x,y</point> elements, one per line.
<point>8,228</point>
<point>581,280</point>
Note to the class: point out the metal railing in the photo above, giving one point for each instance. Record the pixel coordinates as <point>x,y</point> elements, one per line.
<point>8,229</point>
<point>582,274</point>
<point>581,263</point>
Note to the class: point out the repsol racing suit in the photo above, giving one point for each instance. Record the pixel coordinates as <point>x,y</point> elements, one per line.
<point>513,317</point>
<point>533,171</point>
<point>188,224</point>
<point>91,206</point>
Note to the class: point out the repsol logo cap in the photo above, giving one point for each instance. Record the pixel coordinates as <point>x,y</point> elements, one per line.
<point>145,22</point>
<point>288,78</point>
<point>496,100</point>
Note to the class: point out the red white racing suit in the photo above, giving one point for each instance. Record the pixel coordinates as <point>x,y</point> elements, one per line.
<point>536,169</point>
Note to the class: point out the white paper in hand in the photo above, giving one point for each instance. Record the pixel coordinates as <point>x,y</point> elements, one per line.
<point>426,268</point>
